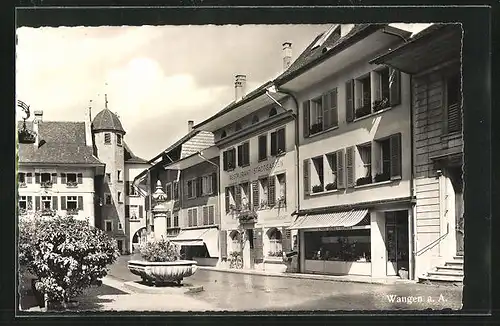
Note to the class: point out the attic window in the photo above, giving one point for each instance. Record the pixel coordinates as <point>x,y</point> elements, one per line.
<point>255,119</point>
<point>119,140</point>
<point>107,138</point>
<point>326,35</point>
<point>223,134</point>
<point>272,112</point>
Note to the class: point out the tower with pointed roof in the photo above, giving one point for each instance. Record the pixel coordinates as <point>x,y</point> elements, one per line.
<point>108,133</point>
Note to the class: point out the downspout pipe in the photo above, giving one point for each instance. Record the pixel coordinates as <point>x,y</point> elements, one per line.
<point>412,184</point>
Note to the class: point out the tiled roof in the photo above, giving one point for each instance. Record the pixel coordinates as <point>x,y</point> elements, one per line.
<point>200,141</point>
<point>64,144</point>
<point>107,120</point>
<point>130,157</point>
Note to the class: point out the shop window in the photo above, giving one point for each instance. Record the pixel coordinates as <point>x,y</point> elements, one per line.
<point>275,243</point>
<point>193,216</point>
<point>244,154</point>
<point>317,174</point>
<point>364,166</point>
<point>362,96</point>
<point>345,245</point>
<point>262,148</point>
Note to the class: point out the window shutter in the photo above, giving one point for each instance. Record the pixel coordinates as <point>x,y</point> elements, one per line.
<point>340,169</point>
<point>246,153</point>
<point>141,211</point>
<point>37,177</point>
<point>307,180</point>
<point>274,148</point>
<point>237,191</point>
<point>454,118</point>
<point>63,178</point>
<point>205,215</point>
<point>195,216</point>
<point>306,118</point>
<point>146,202</point>
<point>37,203</point>
<point>257,244</point>
<point>199,187</point>
<point>127,211</point>
<point>255,194</point>
<point>224,161</point>
<point>80,203</point>
<point>227,199</point>
<point>286,242</point>
<point>349,97</point>
<point>54,178</point>
<point>271,192</point>
<point>334,113</point>
<point>282,140</point>
<point>29,178</point>
<point>54,203</point>
<point>351,182</point>
<point>327,118</point>
<point>395,86</point>
<point>223,244</point>
<point>233,158</point>
<point>240,155</point>
<point>190,217</point>
<point>63,203</point>
<point>211,215</point>
<point>262,147</point>
<point>127,188</point>
<point>79,177</point>
<point>215,190</point>
<point>395,144</point>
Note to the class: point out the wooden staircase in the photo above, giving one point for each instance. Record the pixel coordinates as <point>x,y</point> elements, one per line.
<point>451,273</point>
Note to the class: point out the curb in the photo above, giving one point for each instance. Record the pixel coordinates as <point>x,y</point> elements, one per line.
<point>310,276</point>
<point>116,283</point>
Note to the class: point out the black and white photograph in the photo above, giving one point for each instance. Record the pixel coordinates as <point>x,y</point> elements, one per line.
<point>240,167</point>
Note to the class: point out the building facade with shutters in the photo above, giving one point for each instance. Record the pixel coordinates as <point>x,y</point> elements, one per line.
<point>256,138</point>
<point>354,154</point>
<point>432,58</point>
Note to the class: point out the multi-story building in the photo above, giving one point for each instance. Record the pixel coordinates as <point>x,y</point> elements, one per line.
<point>432,57</point>
<point>56,174</point>
<point>354,153</point>
<point>255,136</point>
<point>82,169</point>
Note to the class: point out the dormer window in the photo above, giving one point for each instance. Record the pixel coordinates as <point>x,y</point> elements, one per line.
<point>335,28</point>
<point>255,119</point>
<point>272,112</point>
<point>119,140</point>
<point>223,134</point>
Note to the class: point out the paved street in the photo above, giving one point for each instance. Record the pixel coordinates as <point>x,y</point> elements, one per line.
<point>231,291</point>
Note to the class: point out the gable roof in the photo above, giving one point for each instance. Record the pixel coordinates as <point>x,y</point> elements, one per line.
<point>64,144</point>
<point>130,157</point>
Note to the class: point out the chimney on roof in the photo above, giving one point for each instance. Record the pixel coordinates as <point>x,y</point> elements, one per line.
<point>345,29</point>
<point>190,125</point>
<point>240,87</point>
<point>38,116</point>
<point>88,126</point>
<point>287,55</point>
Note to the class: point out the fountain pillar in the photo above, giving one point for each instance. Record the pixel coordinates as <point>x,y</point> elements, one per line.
<point>160,212</point>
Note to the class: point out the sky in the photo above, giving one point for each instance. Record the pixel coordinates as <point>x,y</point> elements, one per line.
<point>156,77</point>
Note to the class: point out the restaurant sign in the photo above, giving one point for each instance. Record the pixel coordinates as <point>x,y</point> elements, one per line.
<point>258,170</point>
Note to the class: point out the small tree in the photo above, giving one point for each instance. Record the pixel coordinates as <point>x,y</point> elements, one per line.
<point>67,255</point>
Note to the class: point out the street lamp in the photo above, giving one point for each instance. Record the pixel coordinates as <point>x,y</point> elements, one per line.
<point>25,135</point>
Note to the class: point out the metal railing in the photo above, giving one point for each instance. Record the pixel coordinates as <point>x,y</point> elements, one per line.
<point>433,243</point>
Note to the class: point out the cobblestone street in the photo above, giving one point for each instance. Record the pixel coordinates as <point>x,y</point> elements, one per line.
<point>240,292</point>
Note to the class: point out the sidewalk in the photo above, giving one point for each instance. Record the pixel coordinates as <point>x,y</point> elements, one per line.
<point>343,278</point>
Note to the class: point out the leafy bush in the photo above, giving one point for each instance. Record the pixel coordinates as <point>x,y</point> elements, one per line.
<point>160,251</point>
<point>67,255</point>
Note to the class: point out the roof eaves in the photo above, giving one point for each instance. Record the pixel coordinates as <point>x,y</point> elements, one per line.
<point>179,142</point>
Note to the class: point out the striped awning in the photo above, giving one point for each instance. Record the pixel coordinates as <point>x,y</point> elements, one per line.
<point>344,219</point>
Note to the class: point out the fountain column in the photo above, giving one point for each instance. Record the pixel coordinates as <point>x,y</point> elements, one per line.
<point>160,212</point>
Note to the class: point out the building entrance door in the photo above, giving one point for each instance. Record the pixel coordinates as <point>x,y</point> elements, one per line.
<point>455,174</point>
<point>120,246</point>
<point>397,242</point>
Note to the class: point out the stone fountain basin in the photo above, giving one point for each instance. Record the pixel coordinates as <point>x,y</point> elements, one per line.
<point>163,272</point>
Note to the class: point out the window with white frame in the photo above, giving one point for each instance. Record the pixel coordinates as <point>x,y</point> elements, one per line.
<point>263,192</point>
<point>191,188</point>
<point>331,172</point>
<point>107,199</point>
<point>364,166</point>
<point>46,202</point>
<point>244,154</point>
<point>193,216</point>
<point>281,193</point>
<point>21,178</point>
<point>275,242</point>
<point>46,178</point>
<point>108,226</point>
<point>317,174</point>
<point>382,89</point>
<point>175,190</point>
<point>206,184</point>
<point>208,214</point>
<point>316,115</point>
<point>387,158</point>
<point>71,203</point>
<point>71,179</point>
<point>362,96</point>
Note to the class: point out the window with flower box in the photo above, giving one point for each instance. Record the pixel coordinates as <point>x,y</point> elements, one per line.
<point>321,113</point>
<point>25,204</point>
<point>21,179</point>
<point>192,216</point>
<point>72,203</point>
<point>207,183</point>
<point>324,173</point>
<point>71,180</point>
<point>46,179</point>
<point>229,159</point>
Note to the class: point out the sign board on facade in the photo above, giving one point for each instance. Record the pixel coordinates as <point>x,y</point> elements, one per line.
<point>256,171</point>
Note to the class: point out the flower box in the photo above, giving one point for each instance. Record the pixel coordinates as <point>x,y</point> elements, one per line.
<point>46,184</point>
<point>71,184</point>
<point>315,128</point>
<point>72,212</point>
<point>331,186</point>
<point>380,177</point>
<point>363,111</point>
<point>48,212</point>
<point>363,181</point>
<point>22,184</point>
<point>22,211</point>
<point>317,188</point>
<point>379,105</point>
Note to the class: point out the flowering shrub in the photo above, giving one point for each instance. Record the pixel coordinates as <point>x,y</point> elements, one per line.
<point>67,255</point>
<point>159,251</point>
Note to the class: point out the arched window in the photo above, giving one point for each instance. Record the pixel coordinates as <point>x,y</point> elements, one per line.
<point>272,112</point>
<point>237,126</point>
<point>275,244</point>
<point>255,119</point>
<point>223,134</point>
<point>235,241</point>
